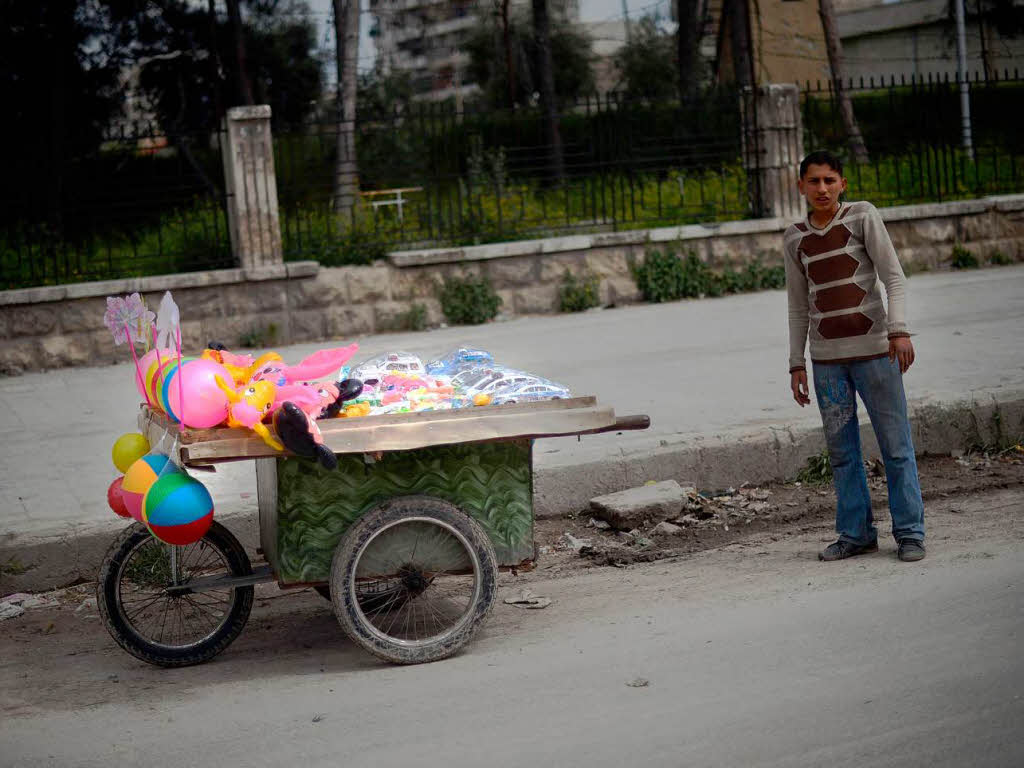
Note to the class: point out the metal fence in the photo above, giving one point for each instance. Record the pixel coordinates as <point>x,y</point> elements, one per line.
<point>144,202</point>
<point>141,202</point>
<point>912,130</point>
<point>435,176</point>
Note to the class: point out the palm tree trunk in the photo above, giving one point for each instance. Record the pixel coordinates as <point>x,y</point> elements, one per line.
<point>346,33</point>
<point>542,32</point>
<point>834,47</point>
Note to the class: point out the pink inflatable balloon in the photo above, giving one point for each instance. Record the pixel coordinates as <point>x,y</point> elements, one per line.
<point>205,404</point>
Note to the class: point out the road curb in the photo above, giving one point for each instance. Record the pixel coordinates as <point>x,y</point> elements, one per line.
<point>35,563</point>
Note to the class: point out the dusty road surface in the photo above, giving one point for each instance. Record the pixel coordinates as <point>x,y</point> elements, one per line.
<point>750,654</point>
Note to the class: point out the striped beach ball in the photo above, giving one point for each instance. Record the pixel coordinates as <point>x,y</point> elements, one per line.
<point>178,509</point>
<point>140,477</point>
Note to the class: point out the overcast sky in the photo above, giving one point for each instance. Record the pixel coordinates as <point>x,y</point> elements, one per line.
<point>590,10</point>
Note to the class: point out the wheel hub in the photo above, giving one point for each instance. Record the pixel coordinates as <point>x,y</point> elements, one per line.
<point>413,579</point>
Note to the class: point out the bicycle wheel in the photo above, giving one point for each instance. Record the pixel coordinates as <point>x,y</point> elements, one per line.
<point>439,570</point>
<point>140,597</point>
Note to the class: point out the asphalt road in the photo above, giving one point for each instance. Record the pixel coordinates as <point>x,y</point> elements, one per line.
<point>698,368</point>
<point>753,655</point>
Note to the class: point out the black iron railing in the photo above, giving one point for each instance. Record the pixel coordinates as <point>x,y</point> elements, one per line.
<point>912,129</point>
<point>141,202</point>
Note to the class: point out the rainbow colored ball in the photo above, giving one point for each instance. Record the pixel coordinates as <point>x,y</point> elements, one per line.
<point>178,509</point>
<point>140,477</point>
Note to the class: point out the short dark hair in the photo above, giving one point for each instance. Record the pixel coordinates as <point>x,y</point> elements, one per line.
<point>821,157</point>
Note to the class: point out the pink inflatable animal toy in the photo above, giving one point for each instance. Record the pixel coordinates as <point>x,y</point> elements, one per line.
<point>316,366</point>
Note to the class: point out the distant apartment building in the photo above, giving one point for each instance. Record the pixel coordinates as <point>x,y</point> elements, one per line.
<point>426,39</point>
<point>918,38</point>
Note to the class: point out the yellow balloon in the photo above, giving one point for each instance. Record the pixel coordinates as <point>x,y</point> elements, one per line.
<point>128,449</point>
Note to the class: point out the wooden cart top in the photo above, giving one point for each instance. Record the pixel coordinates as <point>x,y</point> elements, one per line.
<point>406,431</point>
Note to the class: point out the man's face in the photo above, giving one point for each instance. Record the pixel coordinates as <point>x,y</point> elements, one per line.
<point>822,186</point>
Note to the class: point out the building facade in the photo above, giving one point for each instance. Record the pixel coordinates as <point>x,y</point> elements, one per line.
<point>426,39</point>
<point>917,39</point>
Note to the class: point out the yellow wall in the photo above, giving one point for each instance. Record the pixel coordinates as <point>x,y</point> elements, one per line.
<point>788,43</point>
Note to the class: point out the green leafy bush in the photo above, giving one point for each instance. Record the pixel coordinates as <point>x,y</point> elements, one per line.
<point>999,259</point>
<point>259,337</point>
<point>663,276</point>
<point>578,293</point>
<point>469,301</point>
<point>416,317</point>
<point>963,258</point>
<point>818,470</point>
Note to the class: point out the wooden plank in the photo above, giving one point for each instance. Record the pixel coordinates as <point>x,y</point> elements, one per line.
<point>367,435</point>
<point>189,435</point>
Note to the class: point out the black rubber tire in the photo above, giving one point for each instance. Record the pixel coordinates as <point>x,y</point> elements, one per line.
<point>108,603</point>
<point>348,608</point>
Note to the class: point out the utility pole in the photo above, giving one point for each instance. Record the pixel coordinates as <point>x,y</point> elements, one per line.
<point>961,76</point>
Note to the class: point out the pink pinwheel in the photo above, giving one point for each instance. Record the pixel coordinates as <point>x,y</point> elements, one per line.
<point>128,319</point>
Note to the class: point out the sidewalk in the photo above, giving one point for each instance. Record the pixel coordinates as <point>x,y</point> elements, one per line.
<point>712,375</point>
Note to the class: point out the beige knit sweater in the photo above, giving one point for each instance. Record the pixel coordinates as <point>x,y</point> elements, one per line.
<point>834,278</point>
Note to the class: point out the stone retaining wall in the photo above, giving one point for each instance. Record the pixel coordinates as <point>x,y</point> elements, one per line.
<point>60,326</point>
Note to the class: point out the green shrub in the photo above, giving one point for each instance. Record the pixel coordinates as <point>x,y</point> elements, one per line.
<point>666,277</point>
<point>963,258</point>
<point>999,259</point>
<point>259,337</point>
<point>416,317</point>
<point>577,294</point>
<point>818,470</point>
<point>469,301</point>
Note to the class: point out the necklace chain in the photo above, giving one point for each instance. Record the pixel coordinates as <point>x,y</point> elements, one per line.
<point>810,219</point>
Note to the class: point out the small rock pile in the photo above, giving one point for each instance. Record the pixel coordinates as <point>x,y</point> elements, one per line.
<point>652,514</point>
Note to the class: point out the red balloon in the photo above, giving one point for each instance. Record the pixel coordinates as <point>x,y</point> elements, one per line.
<point>114,498</point>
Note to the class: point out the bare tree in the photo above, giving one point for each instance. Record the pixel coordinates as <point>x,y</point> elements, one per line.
<point>834,47</point>
<point>686,47</point>
<point>346,34</point>
<point>542,32</point>
<point>243,86</point>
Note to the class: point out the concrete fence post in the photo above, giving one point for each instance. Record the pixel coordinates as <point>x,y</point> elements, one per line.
<point>773,145</point>
<point>251,187</point>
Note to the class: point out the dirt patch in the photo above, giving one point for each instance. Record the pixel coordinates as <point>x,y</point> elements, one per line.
<point>715,518</point>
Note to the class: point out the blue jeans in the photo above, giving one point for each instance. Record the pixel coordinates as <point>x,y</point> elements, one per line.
<point>880,385</point>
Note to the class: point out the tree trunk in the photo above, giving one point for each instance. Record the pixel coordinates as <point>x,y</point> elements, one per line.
<point>510,71</point>
<point>542,32</point>
<point>243,86</point>
<point>985,61</point>
<point>742,62</point>
<point>215,63</point>
<point>346,171</point>
<point>686,48</point>
<point>835,60</point>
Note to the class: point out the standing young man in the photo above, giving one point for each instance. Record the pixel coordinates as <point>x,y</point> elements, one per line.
<point>836,263</point>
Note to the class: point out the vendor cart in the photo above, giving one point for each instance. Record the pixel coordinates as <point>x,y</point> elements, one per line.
<point>405,537</point>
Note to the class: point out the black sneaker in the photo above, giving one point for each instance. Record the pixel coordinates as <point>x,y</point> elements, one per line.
<point>843,549</point>
<point>910,550</point>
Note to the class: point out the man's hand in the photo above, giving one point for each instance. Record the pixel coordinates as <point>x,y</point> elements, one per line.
<point>798,383</point>
<point>901,350</point>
